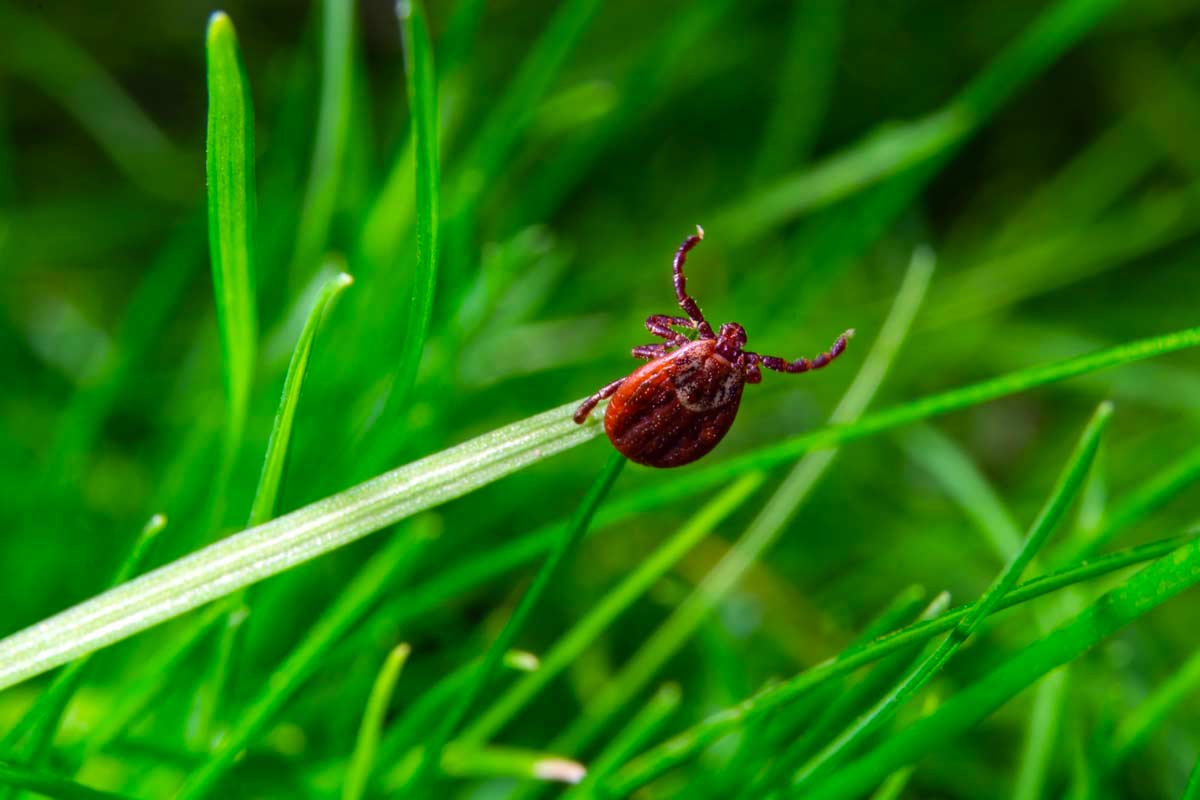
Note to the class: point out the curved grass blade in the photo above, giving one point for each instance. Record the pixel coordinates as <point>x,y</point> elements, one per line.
<point>529,600</point>
<point>386,568</point>
<point>1146,590</point>
<point>231,222</point>
<point>1061,497</point>
<point>680,748</point>
<point>271,478</point>
<point>358,773</point>
<point>333,122</point>
<point>52,785</point>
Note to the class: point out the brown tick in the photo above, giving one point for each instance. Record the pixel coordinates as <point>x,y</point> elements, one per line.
<point>677,407</point>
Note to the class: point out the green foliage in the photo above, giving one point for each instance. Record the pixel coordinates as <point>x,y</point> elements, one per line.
<point>506,184</point>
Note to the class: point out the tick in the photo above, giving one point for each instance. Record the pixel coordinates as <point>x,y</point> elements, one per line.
<point>674,409</point>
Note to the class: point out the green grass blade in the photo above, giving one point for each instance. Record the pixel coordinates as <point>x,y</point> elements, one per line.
<point>423,100</point>
<point>386,568</point>
<point>1061,497</point>
<point>1041,738</point>
<point>271,478</point>
<point>644,725</point>
<point>766,527</point>
<point>52,785</point>
<point>1132,731</point>
<point>567,649</point>
<point>1192,792</point>
<point>682,747</point>
<point>890,152</point>
<point>510,762</point>
<point>1145,591</point>
<point>366,745</point>
<point>231,219</point>
<point>529,600</point>
<point>268,549</point>
<point>333,121</point>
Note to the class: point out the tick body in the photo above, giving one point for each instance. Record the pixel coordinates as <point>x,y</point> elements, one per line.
<point>676,408</point>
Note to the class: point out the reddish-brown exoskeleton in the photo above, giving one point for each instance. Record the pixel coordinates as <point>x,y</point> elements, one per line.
<point>676,408</point>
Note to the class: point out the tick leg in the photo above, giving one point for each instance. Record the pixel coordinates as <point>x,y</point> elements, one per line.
<point>648,351</point>
<point>660,325</point>
<point>586,406</point>
<point>803,364</point>
<point>685,301</point>
<point>750,367</point>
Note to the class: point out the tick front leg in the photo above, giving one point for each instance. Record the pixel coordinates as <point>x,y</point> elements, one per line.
<point>649,351</point>
<point>660,325</point>
<point>804,364</point>
<point>685,300</point>
<point>750,367</point>
<point>586,406</point>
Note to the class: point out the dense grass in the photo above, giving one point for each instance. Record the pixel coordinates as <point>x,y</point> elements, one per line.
<point>429,233</point>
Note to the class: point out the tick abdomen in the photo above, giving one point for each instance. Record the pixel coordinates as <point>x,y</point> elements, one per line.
<point>675,409</point>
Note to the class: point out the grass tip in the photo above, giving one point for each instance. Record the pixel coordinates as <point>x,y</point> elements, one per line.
<point>522,660</point>
<point>344,279</point>
<point>218,22</point>
<point>403,9</point>
<point>400,652</point>
<point>561,770</point>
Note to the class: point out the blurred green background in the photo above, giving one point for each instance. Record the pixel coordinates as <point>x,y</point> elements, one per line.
<point>819,142</point>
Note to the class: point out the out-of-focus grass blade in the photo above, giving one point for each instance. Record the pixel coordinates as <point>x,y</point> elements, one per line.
<point>682,747</point>
<point>333,119</point>
<point>367,744</point>
<point>1041,737</point>
<point>1145,591</point>
<point>41,721</point>
<point>1063,494</point>
<point>387,568</point>
<point>1153,711</point>
<point>891,151</point>
<point>52,785</point>
<point>529,600</point>
<point>271,478</point>
<point>231,218</point>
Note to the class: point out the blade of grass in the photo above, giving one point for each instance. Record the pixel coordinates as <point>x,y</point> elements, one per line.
<point>766,527</point>
<point>333,120</point>
<point>52,785</point>
<point>1192,792</point>
<point>1041,736</point>
<point>421,77</point>
<point>386,569</point>
<point>890,152</point>
<point>1132,731</point>
<point>271,548</point>
<point>567,649</point>
<point>510,762</point>
<point>271,478</point>
<point>644,725</point>
<point>682,747</point>
<point>1146,590</point>
<point>42,719</point>
<point>1061,497</point>
<point>231,222</point>
<point>529,600</point>
<point>358,772</point>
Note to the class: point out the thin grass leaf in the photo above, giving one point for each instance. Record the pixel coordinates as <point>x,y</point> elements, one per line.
<point>626,742</point>
<point>1192,792</point>
<point>231,221</point>
<point>362,760</point>
<point>271,478</point>
<point>387,568</point>
<point>766,527</point>
<point>248,557</point>
<point>1153,712</point>
<point>1032,781</point>
<point>510,762</point>
<point>333,122</point>
<point>529,600</point>
<point>890,152</point>
<point>421,79</point>
<point>1061,497</point>
<point>52,785</point>
<point>1146,590</point>
<point>568,648</point>
<point>680,748</point>
<point>42,719</point>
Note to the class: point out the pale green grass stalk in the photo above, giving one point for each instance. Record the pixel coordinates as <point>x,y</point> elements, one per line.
<point>1061,497</point>
<point>358,772</point>
<point>1041,737</point>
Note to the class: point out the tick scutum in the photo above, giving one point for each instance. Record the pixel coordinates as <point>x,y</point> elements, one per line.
<point>675,409</point>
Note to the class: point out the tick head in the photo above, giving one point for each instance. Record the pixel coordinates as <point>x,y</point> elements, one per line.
<point>730,340</point>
